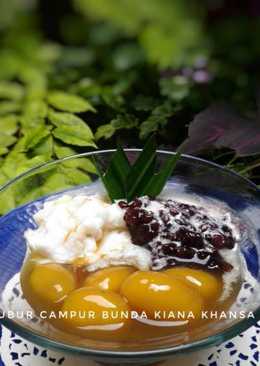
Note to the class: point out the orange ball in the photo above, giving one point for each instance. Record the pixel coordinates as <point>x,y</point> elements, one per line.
<point>208,285</point>
<point>109,278</point>
<point>155,291</point>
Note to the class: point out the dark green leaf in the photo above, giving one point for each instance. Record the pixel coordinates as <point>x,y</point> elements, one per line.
<point>122,180</point>
<point>115,177</point>
<point>158,181</point>
<point>141,167</point>
<point>120,165</point>
<point>140,191</point>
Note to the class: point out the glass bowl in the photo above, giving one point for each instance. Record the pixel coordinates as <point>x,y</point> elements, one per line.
<point>24,195</point>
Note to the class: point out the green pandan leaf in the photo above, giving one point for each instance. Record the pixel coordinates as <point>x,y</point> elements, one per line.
<point>114,179</point>
<point>69,102</point>
<point>122,180</point>
<point>120,165</point>
<point>141,168</point>
<point>158,181</point>
<point>139,191</point>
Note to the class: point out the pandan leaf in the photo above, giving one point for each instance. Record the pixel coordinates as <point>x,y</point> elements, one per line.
<point>114,179</point>
<point>123,181</point>
<point>141,168</point>
<point>158,181</point>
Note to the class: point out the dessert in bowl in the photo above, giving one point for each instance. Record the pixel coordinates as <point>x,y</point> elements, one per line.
<point>134,278</point>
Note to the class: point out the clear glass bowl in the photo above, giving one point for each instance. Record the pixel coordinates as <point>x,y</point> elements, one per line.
<point>24,195</point>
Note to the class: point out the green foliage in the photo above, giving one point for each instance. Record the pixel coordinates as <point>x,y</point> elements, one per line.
<point>120,122</point>
<point>168,31</point>
<point>73,135</point>
<point>31,125</point>
<point>71,129</point>
<point>68,102</point>
<point>124,70</point>
<point>157,119</point>
<point>176,88</point>
<point>11,90</point>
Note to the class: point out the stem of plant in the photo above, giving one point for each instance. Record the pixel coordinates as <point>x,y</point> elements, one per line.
<point>232,161</point>
<point>223,155</point>
<point>250,167</point>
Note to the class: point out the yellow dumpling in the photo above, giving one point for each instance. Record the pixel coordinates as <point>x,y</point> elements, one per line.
<point>109,278</point>
<point>208,285</point>
<point>50,283</point>
<point>96,312</point>
<point>155,291</point>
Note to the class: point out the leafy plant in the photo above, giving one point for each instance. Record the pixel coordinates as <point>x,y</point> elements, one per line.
<point>124,70</point>
<point>36,118</point>
<point>220,126</point>
<point>170,25</point>
<point>120,122</point>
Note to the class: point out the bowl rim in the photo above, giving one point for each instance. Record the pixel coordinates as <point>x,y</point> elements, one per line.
<point>211,340</point>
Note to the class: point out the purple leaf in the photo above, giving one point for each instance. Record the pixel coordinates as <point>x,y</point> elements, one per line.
<point>220,126</point>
